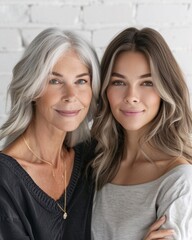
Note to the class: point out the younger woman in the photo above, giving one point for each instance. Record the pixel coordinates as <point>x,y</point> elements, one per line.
<point>143,132</point>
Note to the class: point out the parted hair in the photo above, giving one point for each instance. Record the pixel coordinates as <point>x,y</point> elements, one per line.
<point>30,78</point>
<point>170,131</point>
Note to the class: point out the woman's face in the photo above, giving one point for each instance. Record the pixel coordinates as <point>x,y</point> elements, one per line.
<point>66,100</point>
<point>132,96</point>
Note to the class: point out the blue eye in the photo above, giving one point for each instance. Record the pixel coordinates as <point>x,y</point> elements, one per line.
<point>81,81</point>
<point>55,81</point>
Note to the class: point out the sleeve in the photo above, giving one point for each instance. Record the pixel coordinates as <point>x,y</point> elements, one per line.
<point>11,224</point>
<point>176,203</point>
<point>12,229</point>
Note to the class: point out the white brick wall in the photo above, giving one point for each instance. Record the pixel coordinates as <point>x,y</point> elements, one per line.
<point>97,20</point>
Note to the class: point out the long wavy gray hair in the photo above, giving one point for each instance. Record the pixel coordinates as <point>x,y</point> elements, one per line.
<point>170,132</point>
<point>30,77</point>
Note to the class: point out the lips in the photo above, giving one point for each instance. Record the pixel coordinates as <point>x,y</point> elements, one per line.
<point>132,112</point>
<point>66,113</point>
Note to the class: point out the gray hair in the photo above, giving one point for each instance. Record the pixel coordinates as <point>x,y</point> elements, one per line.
<point>29,81</point>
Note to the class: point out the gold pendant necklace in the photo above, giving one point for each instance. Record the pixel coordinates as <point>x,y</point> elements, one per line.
<point>64,209</point>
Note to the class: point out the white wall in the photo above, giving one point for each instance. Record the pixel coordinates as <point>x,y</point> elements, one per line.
<point>97,20</point>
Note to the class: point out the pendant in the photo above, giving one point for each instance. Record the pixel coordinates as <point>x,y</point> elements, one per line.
<point>64,215</point>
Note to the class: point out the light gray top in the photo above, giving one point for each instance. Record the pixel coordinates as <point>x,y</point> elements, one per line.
<point>126,212</point>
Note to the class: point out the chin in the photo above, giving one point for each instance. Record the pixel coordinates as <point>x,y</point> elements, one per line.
<point>132,128</point>
<point>72,127</point>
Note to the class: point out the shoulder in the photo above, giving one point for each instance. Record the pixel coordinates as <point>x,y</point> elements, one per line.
<point>9,169</point>
<point>85,150</point>
<point>176,182</point>
<point>175,199</point>
<point>6,162</point>
<point>84,153</point>
<point>180,174</point>
<point>182,171</point>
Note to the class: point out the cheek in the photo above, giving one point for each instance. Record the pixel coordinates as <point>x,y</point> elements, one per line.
<point>51,96</point>
<point>155,101</point>
<point>86,97</point>
<point>114,98</point>
<point>110,97</point>
<point>150,96</point>
<point>41,107</point>
<point>42,102</point>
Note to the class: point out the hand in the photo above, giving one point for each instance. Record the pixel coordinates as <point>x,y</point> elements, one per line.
<point>156,233</point>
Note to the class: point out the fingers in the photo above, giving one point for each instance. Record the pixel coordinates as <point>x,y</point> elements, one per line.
<point>159,234</point>
<point>156,233</point>
<point>157,224</point>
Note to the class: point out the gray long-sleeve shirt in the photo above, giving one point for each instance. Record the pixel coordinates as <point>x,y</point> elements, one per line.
<point>126,212</point>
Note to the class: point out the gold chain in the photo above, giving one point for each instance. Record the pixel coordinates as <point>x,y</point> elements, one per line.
<point>41,159</point>
<point>64,209</point>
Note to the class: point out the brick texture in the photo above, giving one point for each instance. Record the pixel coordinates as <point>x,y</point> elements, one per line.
<point>97,20</point>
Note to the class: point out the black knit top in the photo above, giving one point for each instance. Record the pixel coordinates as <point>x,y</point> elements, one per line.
<point>27,212</point>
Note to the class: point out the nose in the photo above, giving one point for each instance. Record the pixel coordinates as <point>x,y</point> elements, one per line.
<point>69,94</point>
<point>131,96</point>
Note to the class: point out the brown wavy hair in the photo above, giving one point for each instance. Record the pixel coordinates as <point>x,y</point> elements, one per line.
<point>170,132</point>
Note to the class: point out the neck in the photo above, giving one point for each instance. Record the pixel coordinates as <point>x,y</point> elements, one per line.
<point>132,149</point>
<point>44,145</point>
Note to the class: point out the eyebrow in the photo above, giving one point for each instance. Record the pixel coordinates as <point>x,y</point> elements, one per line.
<point>79,75</point>
<point>145,75</point>
<point>114,74</point>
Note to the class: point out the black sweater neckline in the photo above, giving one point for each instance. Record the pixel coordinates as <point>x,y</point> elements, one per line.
<point>42,197</point>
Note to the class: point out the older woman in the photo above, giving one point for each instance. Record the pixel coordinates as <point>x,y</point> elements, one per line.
<point>43,194</point>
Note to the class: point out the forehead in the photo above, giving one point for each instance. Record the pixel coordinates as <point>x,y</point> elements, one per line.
<point>70,60</point>
<point>130,61</point>
<point>124,56</point>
